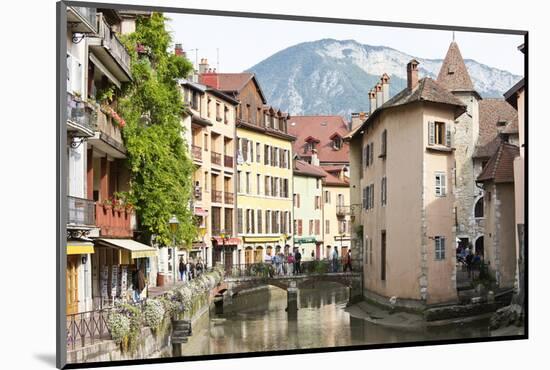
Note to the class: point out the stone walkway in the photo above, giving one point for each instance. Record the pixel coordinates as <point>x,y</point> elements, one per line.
<point>381,316</point>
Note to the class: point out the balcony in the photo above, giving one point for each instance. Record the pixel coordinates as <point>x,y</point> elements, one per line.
<point>81,117</point>
<point>82,19</point>
<point>110,51</point>
<point>80,211</point>
<point>114,221</point>
<point>342,211</point>
<point>217,196</point>
<point>216,158</point>
<point>196,152</point>
<point>228,161</point>
<point>108,136</point>
<point>229,198</point>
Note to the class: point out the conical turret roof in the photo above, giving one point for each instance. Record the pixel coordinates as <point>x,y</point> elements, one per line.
<point>453,74</point>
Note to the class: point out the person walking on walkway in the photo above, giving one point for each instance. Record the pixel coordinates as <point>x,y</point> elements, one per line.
<point>182,269</point>
<point>335,259</point>
<point>347,263</point>
<point>290,264</point>
<point>298,261</point>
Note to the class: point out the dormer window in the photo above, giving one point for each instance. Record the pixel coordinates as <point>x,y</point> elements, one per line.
<point>310,144</point>
<point>501,123</point>
<point>337,141</point>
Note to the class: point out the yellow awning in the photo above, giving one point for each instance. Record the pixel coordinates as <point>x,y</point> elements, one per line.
<point>76,247</point>
<point>136,249</point>
<point>262,239</point>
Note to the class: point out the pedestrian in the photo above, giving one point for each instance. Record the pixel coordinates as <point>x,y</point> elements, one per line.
<point>312,255</point>
<point>469,260</point>
<point>141,283</point>
<point>290,261</point>
<point>188,270</point>
<point>281,258</point>
<point>298,261</point>
<point>199,267</point>
<point>335,259</point>
<point>347,264</point>
<point>182,269</point>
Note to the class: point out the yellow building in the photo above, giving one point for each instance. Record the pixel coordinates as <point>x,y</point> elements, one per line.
<point>264,171</point>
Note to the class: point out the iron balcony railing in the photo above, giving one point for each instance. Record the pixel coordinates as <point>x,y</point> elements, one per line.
<point>229,197</point>
<point>88,14</point>
<point>342,210</point>
<point>81,211</point>
<point>196,151</point>
<point>113,44</point>
<point>284,268</point>
<point>217,196</point>
<point>216,158</point>
<point>80,112</point>
<point>228,161</point>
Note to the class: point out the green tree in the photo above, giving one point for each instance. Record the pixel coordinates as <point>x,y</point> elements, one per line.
<point>152,106</point>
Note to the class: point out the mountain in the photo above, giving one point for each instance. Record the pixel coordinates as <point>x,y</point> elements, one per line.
<point>334,76</point>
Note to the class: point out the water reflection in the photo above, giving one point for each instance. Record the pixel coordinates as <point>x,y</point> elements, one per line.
<point>259,322</point>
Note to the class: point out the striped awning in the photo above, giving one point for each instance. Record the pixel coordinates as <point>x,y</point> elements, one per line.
<point>136,249</point>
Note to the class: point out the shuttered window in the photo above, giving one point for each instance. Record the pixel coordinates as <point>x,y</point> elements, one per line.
<point>260,225</point>
<point>440,184</point>
<point>268,222</point>
<point>240,220</point>
<point>383,191</point>
<point>384,144</point>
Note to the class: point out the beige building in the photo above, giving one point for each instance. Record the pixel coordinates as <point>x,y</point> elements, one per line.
<point>497,178</point>
<point>404,158</point>
<point>210,135</point>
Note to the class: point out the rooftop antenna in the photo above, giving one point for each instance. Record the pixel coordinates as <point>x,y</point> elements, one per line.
<point>453,36</point>
<point>218,59</point>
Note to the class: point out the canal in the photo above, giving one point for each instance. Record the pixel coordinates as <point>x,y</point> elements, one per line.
<point>257,321</point>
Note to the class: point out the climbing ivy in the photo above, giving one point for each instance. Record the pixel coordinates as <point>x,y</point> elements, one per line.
<point>160,167</point>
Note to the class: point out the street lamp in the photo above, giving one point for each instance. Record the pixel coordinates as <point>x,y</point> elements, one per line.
<point>174,223</point>
<point>202,233</point>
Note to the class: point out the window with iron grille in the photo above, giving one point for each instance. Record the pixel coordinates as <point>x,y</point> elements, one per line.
<point>439,248</point>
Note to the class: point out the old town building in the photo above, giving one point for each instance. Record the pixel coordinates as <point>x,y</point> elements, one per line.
<point>403,155</point>
<point>210,130</point>
<point>308,209</point>
<point>264,168</point>
<point>101,252</point>
<point>320,142</point>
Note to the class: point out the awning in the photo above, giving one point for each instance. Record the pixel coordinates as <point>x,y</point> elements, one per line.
<point>262,239</point>
<point>136,249</point>
<point>199,211</point>
<point>230,241</point>
<point>305,240</point>
<point>104,70</point>
<point>79,247</point>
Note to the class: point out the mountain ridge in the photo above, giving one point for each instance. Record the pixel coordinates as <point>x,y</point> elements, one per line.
<point>330,76</point>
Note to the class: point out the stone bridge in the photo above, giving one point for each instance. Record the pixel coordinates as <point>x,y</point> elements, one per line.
<point>291,284</point>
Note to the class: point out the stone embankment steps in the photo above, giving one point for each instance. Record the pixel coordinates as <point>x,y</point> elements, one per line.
<point>181,330</point>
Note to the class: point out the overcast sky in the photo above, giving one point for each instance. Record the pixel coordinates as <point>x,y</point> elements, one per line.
<point>244,42</point>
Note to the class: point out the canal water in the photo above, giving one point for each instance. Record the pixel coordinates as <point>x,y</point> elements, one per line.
<point>258,321</point>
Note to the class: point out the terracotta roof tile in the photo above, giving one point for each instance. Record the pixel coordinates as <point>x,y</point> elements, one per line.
<point>453,74</point>
<point>512,127</point>
<point>321,128</point>
<point>304,168</point>
<point>491,112</point>
<point>500,167</point>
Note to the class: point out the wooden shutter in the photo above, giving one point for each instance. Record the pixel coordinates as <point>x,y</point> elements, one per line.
<point>317,227</point>
<point>448,134</point>
<point>240,220</point>
<point>372,196</point>
<point>251,151</point>
<point>260,226</point>
<point>267,222</point>
<point>367,196</point>
<point>300,227</point>
<point>368,156</point>
<point>371,153</point>
<point>384,141</point>
<point>431,133</point>
<point>266,154</point>
<point>245,149</point>
<point>443,185</point>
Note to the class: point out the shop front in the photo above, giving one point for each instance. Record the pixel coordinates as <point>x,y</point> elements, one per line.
<point>226,252</point>
<point>78,275</point>
<point>115,270</point>
<point>309,247</point>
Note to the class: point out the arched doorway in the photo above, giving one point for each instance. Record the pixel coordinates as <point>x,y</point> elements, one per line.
<point>259,255</point>
<point>479,246</point>
<point>248,255</point>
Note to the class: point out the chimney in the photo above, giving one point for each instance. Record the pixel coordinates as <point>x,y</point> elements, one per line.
<point>314,158</point>
<point>379,96</point>
<point>357,119</point>
<point>412,74</point>
<point>385,81</point>
<point>178,50</point>
<point>372,100</point>
<point>203,66</point>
